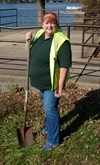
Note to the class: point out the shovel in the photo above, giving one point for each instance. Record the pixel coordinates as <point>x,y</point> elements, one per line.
<point>25,134</point>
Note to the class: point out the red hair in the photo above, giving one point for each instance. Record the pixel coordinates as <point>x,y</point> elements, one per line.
<point>51,17</point>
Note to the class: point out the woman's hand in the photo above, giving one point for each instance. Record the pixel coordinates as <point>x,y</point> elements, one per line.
<point>58,92</point>
<point>29,36</point>
<point>62,76</point>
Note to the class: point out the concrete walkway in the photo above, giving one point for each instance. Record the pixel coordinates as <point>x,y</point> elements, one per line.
<point>13,60</point>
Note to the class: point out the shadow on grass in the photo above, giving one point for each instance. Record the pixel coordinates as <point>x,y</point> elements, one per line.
<point>85,108</point>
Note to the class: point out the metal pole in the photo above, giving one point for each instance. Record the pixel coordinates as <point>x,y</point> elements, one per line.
<point>68,32</point>
<point>83,37</point>
<point>93,33</point>
<point>58,15</point>
<point>16,17</point>
<point>0,21</point>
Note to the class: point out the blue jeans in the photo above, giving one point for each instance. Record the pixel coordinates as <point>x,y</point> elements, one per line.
<point>52,122</point>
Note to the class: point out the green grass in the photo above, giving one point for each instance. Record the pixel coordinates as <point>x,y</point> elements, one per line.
<point>80,128</point>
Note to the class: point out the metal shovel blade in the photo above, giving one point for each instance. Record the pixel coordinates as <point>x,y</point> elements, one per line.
<point>25,136</point>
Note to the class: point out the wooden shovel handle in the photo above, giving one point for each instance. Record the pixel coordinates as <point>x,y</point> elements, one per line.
<point>27,83</point>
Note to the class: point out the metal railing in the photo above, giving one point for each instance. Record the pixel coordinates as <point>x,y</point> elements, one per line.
<point>19,67</point>
<point>82,43</point>
<point>11,17</point>
<point>93,29</point>
<point>29,18</point>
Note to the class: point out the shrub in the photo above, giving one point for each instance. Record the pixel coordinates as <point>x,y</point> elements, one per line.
<point>91,4</point>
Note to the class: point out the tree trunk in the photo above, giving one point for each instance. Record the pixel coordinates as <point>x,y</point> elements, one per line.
<point>41,10</point>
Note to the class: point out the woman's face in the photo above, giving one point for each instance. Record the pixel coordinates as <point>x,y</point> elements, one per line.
<point>49,26</point>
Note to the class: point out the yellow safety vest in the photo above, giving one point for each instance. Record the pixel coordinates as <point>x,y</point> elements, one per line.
<point>58,40</point>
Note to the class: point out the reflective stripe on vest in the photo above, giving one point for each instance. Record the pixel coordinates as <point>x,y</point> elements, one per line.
<point>58,39</point>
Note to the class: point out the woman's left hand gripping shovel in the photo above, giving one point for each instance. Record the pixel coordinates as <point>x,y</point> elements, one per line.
<point>25,134</point>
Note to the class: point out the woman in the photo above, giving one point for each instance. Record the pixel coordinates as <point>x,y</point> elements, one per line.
<point>50,60</point>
